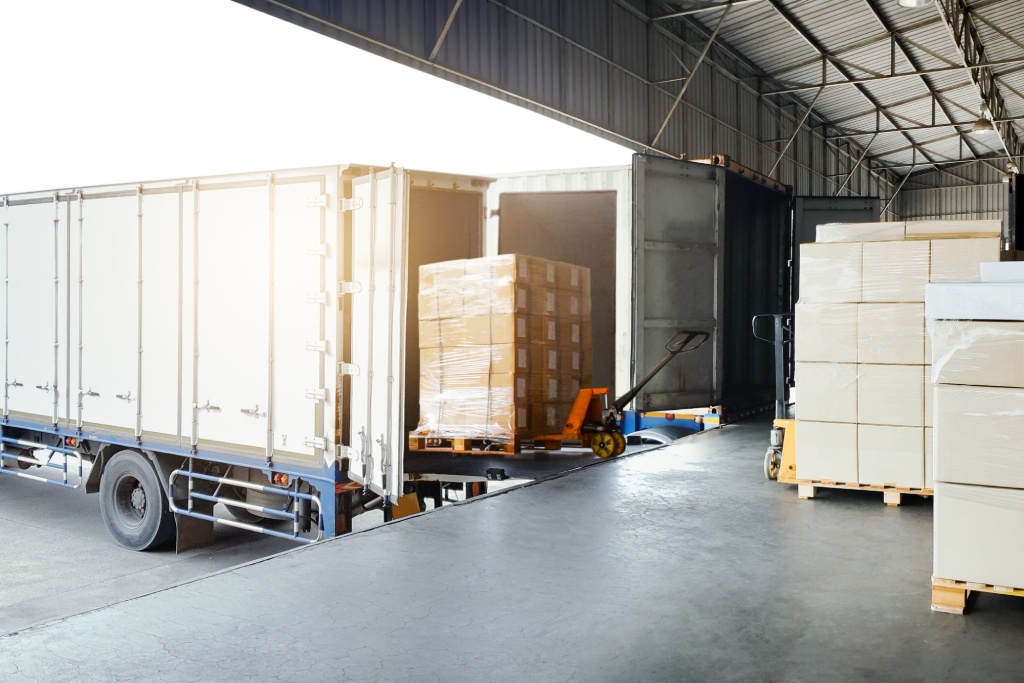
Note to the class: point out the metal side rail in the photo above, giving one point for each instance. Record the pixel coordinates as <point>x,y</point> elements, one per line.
<point>292,494</point>
<point>52,450</point>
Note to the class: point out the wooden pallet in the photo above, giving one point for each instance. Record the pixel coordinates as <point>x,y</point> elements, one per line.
<point>891,495</point>
<point>951,596</point>
<point>464,445</point>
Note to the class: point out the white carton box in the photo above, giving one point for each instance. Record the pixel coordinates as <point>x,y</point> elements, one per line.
<point>975,301</point>
<point>979,534</point>
<point>860,232</point>
<point>1002,271</point>
<point>828,451</point>
<point>890,456</point>
<point>978,436</point>
<point>945,229</point>
<point>890,395</point>
<point>960,260</point>
<point>890,333</point>
<point>929,459</point>
<point>826,333</point>
<point>978,353</point>
<point>895,271</point>
<point>828,391</point>
<point>830,273</point>
<point>929,397</point>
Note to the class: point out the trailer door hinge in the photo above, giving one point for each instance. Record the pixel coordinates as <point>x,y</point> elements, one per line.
<point>318,394</point>
<point>351,287</point>
<point>318,250</point>
<point>319,346</point>
<point>316,200</point>
<point>348,368</point>
<point>320,298</point>
<point>351,204</point>
<point>315,442</point>
<point>347,452</point>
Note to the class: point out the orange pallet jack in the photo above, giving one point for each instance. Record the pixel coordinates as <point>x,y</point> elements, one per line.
<point>597,423</point>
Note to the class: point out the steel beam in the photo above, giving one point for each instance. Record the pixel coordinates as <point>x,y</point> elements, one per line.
<point>689,80</point>
<point>796,131</point>
<point>937,126</point>
<point>970,50</point>
<point>817,47</point>
<point>704,8</point>
<point>857,165</point>
<point>444,31</point>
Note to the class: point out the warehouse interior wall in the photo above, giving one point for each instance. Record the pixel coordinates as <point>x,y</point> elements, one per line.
<point>973,190</point>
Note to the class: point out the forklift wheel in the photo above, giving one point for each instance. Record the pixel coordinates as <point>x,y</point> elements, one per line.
<point>772,464</point>
<point>603,444</point>
<point>620,443</point>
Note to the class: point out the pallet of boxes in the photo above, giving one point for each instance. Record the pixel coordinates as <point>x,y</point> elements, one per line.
<point>861,350</point>
<point>977,338</point>
<point>505,346</point>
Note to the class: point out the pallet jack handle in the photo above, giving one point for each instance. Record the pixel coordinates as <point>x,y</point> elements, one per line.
<point>682,341</point>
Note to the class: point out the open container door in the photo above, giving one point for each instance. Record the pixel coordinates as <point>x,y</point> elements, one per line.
<point>677,279</point>
<point>377,348</point>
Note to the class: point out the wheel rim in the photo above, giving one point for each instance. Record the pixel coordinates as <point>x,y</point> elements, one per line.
<point>129,501</point>
<point>603,444</point>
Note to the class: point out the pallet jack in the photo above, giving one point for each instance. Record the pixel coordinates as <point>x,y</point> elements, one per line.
<point>780,459</point>
<point>599,425</point>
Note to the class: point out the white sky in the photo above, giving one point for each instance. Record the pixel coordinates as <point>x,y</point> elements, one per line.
<point>105,91</point>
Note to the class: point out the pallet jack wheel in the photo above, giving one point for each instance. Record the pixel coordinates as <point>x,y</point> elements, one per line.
<point>620,443</point>
<point>772,464</point>
<point>603,444</point>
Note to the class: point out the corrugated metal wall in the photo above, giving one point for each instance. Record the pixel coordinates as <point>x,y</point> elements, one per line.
<point>974,190</point>
<point>603,66</point>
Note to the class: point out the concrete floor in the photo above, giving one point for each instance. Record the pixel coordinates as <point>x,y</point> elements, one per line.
<point>672,565</point>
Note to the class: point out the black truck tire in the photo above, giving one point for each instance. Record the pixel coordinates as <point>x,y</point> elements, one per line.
<point>134,507</point>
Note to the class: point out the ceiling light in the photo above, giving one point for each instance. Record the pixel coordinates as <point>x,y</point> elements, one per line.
<point>913,3</point>
<point>983,127</point>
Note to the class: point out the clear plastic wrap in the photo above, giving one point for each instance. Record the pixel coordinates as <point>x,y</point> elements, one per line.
<point>505,345</point>
<point>830,273</point>
<point>959,260</point>
<point>860,232</point>
<point>978,435</point>
<point>891,333</point>
<point>894,272</point>
<point>826,333</point>
<point>977,352</point>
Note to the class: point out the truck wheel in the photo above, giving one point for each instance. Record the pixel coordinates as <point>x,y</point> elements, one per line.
<point>132,502</point>
<point>241,514</point>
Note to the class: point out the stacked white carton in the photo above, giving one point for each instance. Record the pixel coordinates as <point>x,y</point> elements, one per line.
<point>862,357</point>
<point>977,337</point>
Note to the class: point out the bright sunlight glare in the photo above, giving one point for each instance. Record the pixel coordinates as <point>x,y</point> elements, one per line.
<point>111,91</point>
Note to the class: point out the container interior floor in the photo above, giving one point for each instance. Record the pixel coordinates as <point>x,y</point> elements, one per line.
<point>681,563</point>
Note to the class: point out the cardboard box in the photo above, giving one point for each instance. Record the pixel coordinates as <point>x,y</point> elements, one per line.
<point>826,333</point>
<point>978,436</point>
<point>979,353</point>
<point>548,418</point>
<point>479,330</point>
<point>975,301</point>
<point>479,360</point>
<point>895,271</point>
<point>890,395</point>
<point>860,232</point>
<point>977,534</point>
<point>575,333</point>
<point>890,456</point>
<point>830,273</point>
<point>890,333</point>
<point>828,391</point>
<point>1011,270</point>
<point>543,301</point>
<point>541,329</point>
<point>575,361</point>
<point>535,271</point>
<point>573,305</point>
<point>828,451</point>
<point>948,229</point>
<point>929,459</point>
<point>959,260</point>
<point>570,277</point>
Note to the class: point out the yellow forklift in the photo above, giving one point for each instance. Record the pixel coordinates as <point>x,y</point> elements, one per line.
<point>780,459</point>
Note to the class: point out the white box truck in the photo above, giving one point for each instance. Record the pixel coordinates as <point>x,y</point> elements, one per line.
<point>236,339</point>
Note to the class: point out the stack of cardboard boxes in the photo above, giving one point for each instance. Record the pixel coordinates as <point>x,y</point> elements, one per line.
<point>862,357</point>
<point>977,338</point>
<point>505,345</point>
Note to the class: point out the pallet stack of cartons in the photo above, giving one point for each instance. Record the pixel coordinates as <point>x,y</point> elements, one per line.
<point>505,345</point>
<point>977,343</point>
<point>862,358</point>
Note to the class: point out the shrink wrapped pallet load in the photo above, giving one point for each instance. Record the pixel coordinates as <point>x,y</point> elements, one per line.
<point>863,351</point>
<point>977,342</point>
<point>505,346</point>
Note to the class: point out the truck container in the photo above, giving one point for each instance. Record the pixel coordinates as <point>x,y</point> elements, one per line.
<point>237,339</point>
